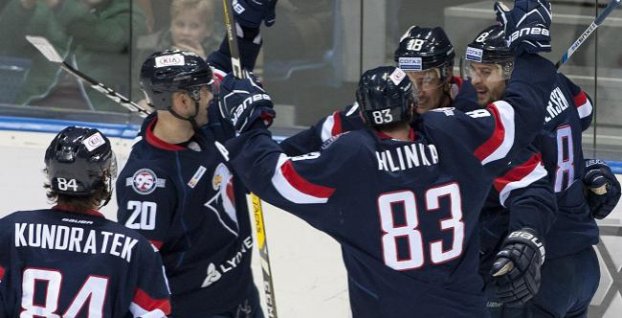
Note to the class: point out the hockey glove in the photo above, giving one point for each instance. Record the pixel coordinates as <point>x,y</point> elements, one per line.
<point>604,189</point>
<point>527,25</point>
<point>243,102</point>
<point>250,13</point>
<point>516,269</point>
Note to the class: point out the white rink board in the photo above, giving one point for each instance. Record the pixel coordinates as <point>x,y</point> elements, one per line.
<point>309,277</point>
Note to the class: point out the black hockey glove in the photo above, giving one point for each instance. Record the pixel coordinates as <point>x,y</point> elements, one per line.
<point>527,25</point>
<point>250,13</point>
<point>516,269</point>
<point>603,191</point>
<point>244,102</point>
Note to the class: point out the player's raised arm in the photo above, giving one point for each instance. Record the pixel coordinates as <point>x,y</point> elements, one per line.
<point>510,124</point>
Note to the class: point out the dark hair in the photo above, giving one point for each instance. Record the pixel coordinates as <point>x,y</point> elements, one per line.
<point>100,195</point>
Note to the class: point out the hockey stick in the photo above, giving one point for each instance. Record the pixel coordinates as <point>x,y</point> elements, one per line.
<point>600,18</point>
<point>48,50</point>
<point>262,243</point>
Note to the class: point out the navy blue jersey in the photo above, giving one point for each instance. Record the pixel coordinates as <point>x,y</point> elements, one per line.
<point>404,212</point>
<point>55,263</point>
<point>522,196</point>
<point>185,200</point>
<point>568,113</point>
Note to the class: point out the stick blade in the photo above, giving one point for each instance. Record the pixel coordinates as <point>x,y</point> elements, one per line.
<point>45,47</point>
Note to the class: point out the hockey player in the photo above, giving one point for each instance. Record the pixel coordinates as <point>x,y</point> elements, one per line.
<point>177,189</point>
<point>402,203</point>
<point>427,57</point>
<point>70,261</point>
<point>568,113</point>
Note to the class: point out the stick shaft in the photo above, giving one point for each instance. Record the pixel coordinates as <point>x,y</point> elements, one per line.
<point>590,29</point>
<point>262,243</point>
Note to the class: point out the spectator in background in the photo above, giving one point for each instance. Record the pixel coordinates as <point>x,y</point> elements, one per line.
<point>93,35</point>
<point>193,27</point>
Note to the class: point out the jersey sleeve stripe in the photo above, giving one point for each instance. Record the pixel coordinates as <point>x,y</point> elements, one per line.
<point>584,106</point>
<point>295,188</point>
<point>502,139</point>
<point>331,126</point>
<point>157,244</point>
<point>144,306</point>
<point>1,273</point>
<point>519,177</point>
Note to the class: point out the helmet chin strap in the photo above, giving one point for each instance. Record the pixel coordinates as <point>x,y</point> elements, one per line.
<point>109,196</point>
<point>191,119</point>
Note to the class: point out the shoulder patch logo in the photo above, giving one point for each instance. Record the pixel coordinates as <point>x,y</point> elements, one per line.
<point>144,181</point>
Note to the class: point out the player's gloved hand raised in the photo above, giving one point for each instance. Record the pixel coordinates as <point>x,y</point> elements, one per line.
<point>527,25</point>
<point>516,269</point>
<point>244,103</point>
<point>250,13</point>
<point>603,189</point>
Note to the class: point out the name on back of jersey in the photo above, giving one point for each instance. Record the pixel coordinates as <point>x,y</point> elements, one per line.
<point>73,239</point>
<point>406,157</point>
<point>557,104</point>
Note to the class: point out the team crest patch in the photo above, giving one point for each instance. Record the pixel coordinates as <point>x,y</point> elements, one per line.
<point>145,181</point>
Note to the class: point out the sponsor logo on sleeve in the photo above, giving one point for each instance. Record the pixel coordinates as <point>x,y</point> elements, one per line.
<point>144,181</point>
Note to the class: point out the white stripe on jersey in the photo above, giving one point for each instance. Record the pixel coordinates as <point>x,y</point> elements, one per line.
<point>288,190</point>
<point>138,311</point>
<point>536,174</point>
<point>585,110</point>
<point>327,127</point>
<point>506,117</point>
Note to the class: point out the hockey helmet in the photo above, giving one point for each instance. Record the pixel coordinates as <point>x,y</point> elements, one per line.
<point>490,47</point>
<point>423,48</point>
<point>385,96</point>
<point>164,73</point>
<point>79,160</point>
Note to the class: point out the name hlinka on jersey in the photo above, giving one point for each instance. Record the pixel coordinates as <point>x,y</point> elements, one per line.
<point>73,239</point>
<point>407,157</point>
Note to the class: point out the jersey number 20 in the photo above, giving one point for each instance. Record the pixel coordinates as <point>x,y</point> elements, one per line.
<point>411,232</point>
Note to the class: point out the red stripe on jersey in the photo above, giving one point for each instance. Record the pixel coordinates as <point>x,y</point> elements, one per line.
<point>302,185</point>
<point>149,304</point>
<point>1,273</point>
<point>153,140</point>
<point>71,209</point>
<point>456,80</point>
<point>518,173</point>
<point>336,124</point>
<point>580,99</point>
<point>157,244</point>
<point>488,147</point>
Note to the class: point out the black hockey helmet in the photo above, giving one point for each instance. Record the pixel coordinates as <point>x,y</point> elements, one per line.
<point>385,96</point>
<point>490,47</point>
<point>164,73</point>
<point>423,48</point>
<point>79,160</point>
